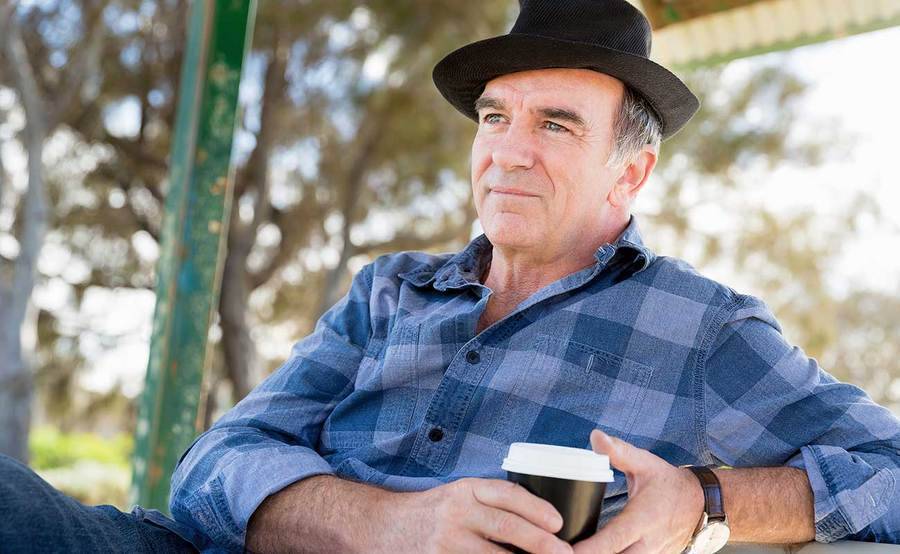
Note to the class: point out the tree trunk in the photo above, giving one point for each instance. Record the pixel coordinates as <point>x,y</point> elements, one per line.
<point>209,391</point>
<point>238,348</point>
<point>370,135</point>
<point>17,280</point>
<point>16,391</point>
<point>333,280</point>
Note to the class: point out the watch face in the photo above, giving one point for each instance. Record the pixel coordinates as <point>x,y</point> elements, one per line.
<point>711,538</point>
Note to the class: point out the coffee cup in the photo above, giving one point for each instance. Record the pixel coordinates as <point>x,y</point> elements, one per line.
<point>572,479</point>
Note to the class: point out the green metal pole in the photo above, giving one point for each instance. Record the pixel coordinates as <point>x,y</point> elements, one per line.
<point>195,229</point>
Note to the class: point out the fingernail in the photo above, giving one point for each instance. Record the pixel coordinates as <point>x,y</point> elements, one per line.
<point>555,521</point>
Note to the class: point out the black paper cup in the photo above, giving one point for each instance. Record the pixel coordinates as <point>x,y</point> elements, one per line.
<point>572,479</point>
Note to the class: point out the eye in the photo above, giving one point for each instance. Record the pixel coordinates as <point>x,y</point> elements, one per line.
<point>555,127</point>
<point>492,118</point>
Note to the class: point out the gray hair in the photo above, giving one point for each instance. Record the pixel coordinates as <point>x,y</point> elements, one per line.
<point>636,126</point>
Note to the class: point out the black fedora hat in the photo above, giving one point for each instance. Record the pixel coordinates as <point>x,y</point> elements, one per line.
<point>609,36</point>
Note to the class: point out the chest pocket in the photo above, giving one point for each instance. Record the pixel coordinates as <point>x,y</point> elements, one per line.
<point>583,386</point>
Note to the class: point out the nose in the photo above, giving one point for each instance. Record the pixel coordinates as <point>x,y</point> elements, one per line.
<point>514,150</point>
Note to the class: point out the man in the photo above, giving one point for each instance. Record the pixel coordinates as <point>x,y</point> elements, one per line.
<point>386,428</point>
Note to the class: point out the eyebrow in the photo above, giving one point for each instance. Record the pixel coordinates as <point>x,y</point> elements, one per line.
<point>552,112</point>
<point>489,102</point>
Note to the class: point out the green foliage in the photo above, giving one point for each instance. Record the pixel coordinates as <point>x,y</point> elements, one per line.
<point>51,448</point>
<point>89,468</point>
<point>91,483</point>
<point>327,147</point>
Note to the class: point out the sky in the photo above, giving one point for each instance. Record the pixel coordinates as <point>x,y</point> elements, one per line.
<point>852,87</point>
<point>852,83</point>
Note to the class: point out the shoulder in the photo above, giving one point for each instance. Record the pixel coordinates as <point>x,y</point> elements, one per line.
<point>673,278</point>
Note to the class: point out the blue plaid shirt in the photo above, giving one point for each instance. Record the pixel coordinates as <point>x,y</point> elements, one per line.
<point>395,388</point>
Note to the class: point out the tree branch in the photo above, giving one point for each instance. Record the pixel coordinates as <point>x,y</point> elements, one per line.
<point>126,184</point>
<point>355,177</point>
<point>84,65</point>
<point>273,98</point>
<point>294,226</point>
<point>255,174</point>
<point>133,150</point>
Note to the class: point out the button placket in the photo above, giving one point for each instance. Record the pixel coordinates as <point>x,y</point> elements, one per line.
<point>449,406</point>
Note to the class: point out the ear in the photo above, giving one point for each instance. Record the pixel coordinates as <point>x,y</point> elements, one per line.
<point>633,177</point>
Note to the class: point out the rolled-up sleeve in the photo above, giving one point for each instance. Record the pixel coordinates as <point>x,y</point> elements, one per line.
<point>766,403</point>
<point>267,441</point>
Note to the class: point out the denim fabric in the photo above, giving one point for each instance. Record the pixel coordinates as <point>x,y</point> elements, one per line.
<point>395,388</point>
<point>36,518</point>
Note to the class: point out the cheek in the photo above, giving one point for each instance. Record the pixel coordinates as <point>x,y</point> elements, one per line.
<point>481,158</point>
<point>578,189</point>
<point>481,161</point>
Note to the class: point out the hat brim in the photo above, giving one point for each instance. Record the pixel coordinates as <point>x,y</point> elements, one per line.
<point>461,76</point>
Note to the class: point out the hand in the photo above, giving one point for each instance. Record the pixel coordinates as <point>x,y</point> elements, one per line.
<point>466,515</point>
<point>664,503</point>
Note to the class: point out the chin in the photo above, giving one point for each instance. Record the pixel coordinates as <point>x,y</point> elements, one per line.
<point>513,234</point>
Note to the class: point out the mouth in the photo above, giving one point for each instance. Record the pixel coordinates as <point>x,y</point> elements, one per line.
<point>512,192</point>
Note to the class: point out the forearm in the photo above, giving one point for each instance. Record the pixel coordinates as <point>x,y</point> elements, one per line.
<point>768,505</point>
<point>319,514</point>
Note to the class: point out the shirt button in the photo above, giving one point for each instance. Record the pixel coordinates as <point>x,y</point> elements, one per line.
<point>435,435</point>
<point>473,357</point>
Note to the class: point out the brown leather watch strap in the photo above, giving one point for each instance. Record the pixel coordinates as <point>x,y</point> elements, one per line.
<point>712,492</point>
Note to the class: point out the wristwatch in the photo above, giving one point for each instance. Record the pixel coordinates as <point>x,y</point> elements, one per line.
<point>712,531</point>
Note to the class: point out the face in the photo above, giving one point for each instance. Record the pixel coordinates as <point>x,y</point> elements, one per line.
<point>539,174</point>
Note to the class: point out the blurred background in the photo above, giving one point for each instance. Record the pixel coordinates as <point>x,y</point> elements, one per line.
<point>781,187</point>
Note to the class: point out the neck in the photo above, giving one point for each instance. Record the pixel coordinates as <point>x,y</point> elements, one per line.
<point>520,272</point>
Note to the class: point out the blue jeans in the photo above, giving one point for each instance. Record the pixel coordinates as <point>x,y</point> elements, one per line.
<point>35,517</point>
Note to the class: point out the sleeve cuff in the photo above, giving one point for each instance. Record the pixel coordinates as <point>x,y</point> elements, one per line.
<point>224,517</point>
<point>848,493</point>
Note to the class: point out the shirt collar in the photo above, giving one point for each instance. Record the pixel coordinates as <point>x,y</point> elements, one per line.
<point>468,265</point>
<point>630,239</point>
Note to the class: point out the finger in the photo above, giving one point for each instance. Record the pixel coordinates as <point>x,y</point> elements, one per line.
<point>511,497</point>
<point>618,534</point>
<point>623,456</point>
<point>640,547</point>
<point>508,528</point>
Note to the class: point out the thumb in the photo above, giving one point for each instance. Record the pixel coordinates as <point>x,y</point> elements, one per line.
<point>622,455</point>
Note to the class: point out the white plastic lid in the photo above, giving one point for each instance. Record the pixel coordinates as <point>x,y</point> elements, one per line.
<point>561,462</point>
